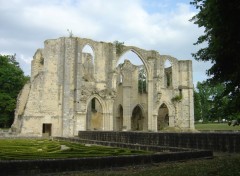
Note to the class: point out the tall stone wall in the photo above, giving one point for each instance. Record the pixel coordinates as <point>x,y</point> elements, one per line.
<point>65,80</point>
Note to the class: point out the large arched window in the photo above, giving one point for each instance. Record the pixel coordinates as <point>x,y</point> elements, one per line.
<point>88,63</point>
<point>167,74</point>
<point>142,73</point>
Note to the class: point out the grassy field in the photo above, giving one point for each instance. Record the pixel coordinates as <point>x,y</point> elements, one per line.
<point>221,165</point>
<point>43,148</point>
<point>216,127</point>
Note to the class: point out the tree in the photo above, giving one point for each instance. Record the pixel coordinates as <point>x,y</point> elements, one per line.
<point>202,101</point>
<point>221,18</point>
<point>209,105</point>
<point>197,106</point>
<point>12,80</point>
<point>142,80</point>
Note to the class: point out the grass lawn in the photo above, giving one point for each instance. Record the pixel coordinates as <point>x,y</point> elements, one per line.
<point>18,149</point>
<point>216,126</point>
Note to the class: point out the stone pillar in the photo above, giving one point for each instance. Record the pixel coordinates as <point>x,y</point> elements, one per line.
<point>127,108</point>
<point>191,100</point>
<point>68,88</point>
<point>155,122</point>
<point>191,109</point>
<point>151,125</point>
<point>171,121</point>
<point>109,115</point>
<point>78,82</point>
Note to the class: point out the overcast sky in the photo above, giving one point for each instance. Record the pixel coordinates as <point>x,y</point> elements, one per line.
<point>161,25</point>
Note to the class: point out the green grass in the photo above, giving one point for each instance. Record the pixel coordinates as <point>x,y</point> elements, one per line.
<point>25,149</point>
<point>216,127</point>
<point>219,166</point>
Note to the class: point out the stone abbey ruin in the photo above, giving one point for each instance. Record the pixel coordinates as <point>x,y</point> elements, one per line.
<point>71,90</point>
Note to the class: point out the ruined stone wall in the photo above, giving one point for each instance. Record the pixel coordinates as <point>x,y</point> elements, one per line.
<point>65,80</point>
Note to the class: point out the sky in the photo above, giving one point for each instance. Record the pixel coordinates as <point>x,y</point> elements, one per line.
<point>161,25</point>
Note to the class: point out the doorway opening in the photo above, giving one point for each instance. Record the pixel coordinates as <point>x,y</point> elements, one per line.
<point>47,129</point>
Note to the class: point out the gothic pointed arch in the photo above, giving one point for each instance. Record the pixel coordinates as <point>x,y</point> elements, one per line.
<point>168,74</point>
<point>94,115</point>
<point>133,57</point>
<point>137,119</point>
<point>88,63</point>
<point>163,117</point>
<point>132,52</point>
<point>119,118</point>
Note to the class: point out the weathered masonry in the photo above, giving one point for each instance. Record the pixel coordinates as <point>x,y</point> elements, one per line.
<point>72,90</point>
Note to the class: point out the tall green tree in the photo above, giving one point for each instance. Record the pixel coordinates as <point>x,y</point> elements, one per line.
<point>197,106</point>
<point>221,18</point>
<point>12,80</point>
<point>202,101</point>
<point>209,105</point>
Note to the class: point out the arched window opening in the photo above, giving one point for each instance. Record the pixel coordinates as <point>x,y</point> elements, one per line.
<point>94,115</point>
<point>88,63</point>
<point>140,78</point>
<point>167,74</point>
<point>137,119</point>
<point>163,117</point>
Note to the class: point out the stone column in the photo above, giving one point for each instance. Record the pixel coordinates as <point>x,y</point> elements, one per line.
<point>109,115</point>
<point>151,125</point>
<point>191,109</point>
<point>171,120</point>
<point>127,107</point>
<point>155,122</point>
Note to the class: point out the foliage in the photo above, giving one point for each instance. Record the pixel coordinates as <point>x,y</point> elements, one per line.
<point>142,80</point>
<point>18,149</point>
<point>221,22</point>
<point>209,102</point>
<point>177,98</point>
<point>197,106</point>
<point>12,80</point>
<point>119,47</point>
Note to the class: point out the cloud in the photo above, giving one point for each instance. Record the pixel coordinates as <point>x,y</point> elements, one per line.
<point>149,24</point>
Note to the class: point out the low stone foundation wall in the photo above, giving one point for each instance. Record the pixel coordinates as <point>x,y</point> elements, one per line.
<point>218,142</point>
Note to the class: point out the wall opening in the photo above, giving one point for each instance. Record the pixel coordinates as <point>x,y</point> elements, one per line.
<point>46,129</point>
<point>163,117</point>
<point>94,115</point>
<point>119,119</point>
<point>88,63</point>
<point>142,73</point>
<point>167,74</point>
<point>137,119</point>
